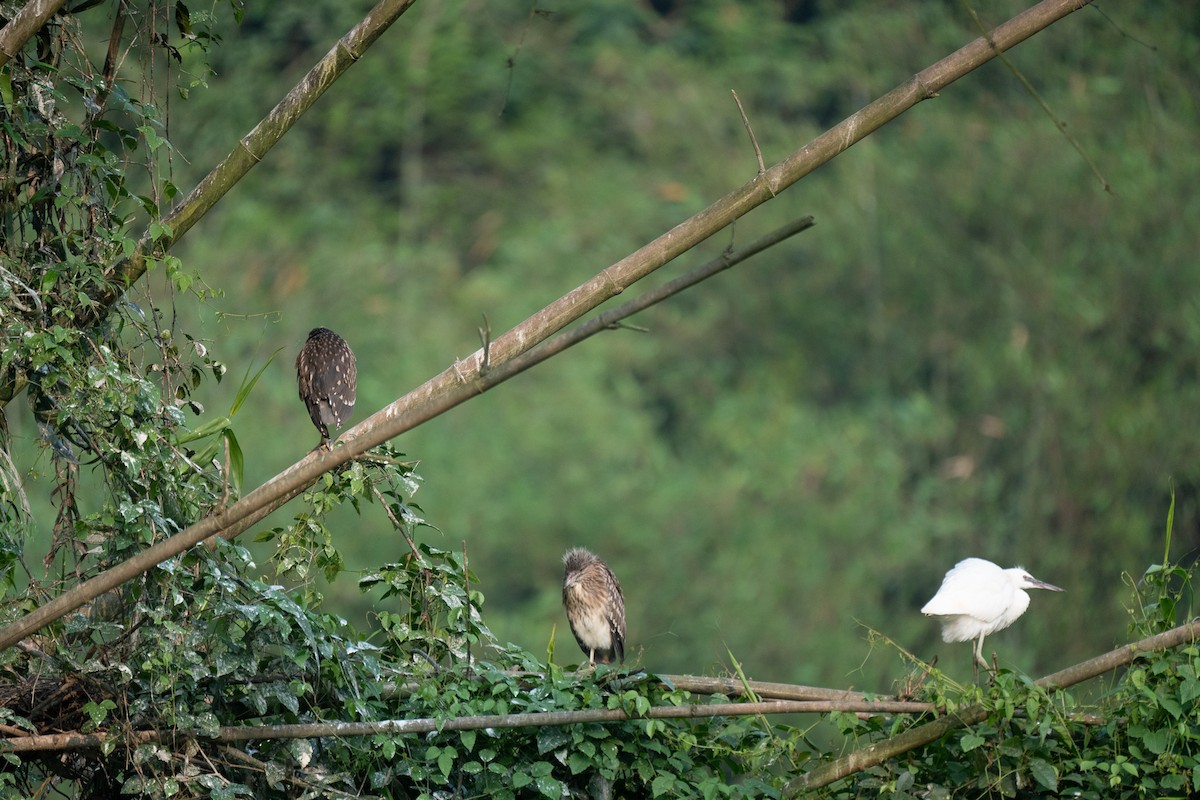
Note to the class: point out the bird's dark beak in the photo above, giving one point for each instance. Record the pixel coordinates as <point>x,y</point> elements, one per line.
<point>1036,584</point>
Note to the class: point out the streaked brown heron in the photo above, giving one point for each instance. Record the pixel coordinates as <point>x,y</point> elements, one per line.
<point>595,606</point>
<point>327,376</point>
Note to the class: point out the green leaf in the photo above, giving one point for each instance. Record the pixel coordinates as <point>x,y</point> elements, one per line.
<point>248,383</point>
<point>1156,741</point>
<point>549,786</point>
<point>663,784</point>
<point>970,741</point>
<point>552,738</point>
<point>446,761</point>
<point>159,230</point>
<point>208,724</point>
<point>153,140</point>
<point>236,461</point>
<point>1170,705</point>
<point>6,90</point>
<point>1044,773</point>
<point>98,712</point>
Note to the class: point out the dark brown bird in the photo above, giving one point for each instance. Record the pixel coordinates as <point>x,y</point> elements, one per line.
<point>595,606</point>
<point>328,378</point>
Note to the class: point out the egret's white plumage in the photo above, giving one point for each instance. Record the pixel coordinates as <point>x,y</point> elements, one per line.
<point>977,598</point>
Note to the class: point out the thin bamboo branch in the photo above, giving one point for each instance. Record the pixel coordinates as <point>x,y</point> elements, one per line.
<point>1061,125</point>
<point>732,687</point>
<point>609,319</point>
<point>699,684</point>
<point>719,264</point>
<point>463,380</point>
<point>913,738</point>
<point>316,730</point>
<point>24,24</point>
<point>762,168</point>
<point>314,788</point>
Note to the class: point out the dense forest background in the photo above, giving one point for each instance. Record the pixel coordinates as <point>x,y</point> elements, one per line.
<point>978,350</point>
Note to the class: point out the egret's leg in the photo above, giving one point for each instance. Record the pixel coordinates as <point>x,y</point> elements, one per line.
<point>979,652</point>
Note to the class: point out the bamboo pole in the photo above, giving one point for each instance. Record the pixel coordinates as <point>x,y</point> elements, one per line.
<point>240,733</point>
<point>605,321</point>
<point>24,24</point>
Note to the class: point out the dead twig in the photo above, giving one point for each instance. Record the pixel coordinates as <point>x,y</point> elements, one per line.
<point>762,168</point>
<point>485,340</point>
<point>1058,123</point>
<point>397,523</point>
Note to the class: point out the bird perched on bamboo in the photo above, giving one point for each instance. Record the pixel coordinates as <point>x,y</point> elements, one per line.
<point>977,598</point>
<point>328,378</point>
<point>595,606</point>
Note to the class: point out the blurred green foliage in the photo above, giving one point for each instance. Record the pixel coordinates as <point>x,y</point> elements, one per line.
<point>977,351</point>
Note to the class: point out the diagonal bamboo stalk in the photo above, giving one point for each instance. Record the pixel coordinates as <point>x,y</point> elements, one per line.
<point>605,321</point>
<point>913,738</point>
<point>24,24</point>
<point>109,580</point>
<point>465,379</point>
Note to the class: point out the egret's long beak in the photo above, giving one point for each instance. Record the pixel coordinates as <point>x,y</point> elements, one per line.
<point>1036,584</point>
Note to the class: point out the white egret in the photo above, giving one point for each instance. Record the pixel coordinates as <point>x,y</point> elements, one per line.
<point>977,598</point>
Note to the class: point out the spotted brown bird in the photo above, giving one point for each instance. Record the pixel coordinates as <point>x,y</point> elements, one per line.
<point>328,378</point>
<point>595,606</point>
